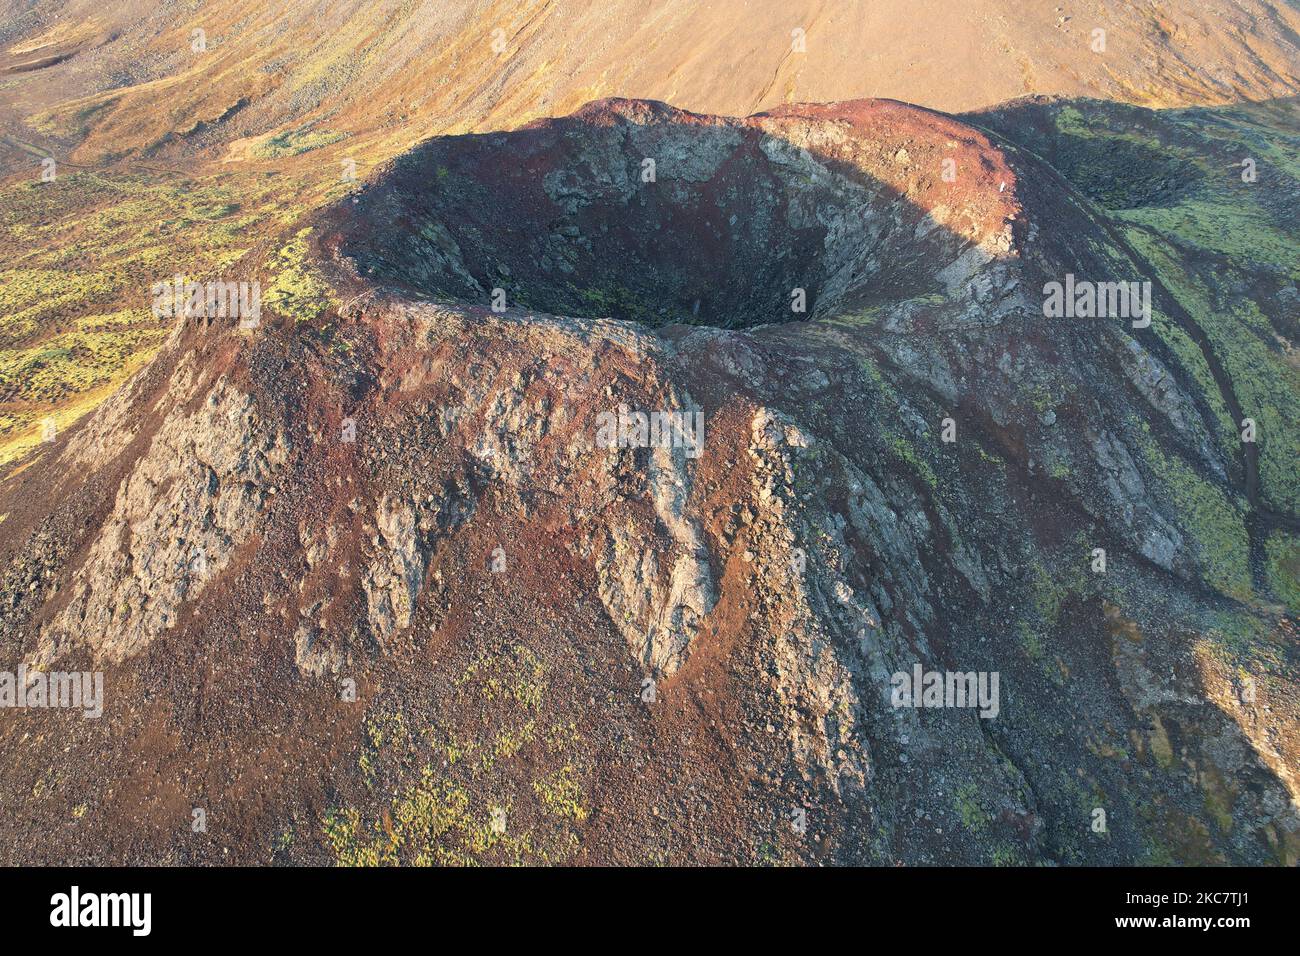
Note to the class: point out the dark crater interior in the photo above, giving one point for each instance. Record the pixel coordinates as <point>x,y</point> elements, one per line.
<point>569,217</point>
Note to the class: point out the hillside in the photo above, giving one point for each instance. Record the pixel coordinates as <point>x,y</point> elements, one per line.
<point>641,655</point>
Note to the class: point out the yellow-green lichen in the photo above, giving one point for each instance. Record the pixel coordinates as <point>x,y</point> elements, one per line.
<point>561,794</point>
<point>297,289</point>
<point>1215,517</point>
<point>1283,559</point>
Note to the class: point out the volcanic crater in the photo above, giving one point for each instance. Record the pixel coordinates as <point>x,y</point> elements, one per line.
<point>398,491</point>
<point>638,211</point>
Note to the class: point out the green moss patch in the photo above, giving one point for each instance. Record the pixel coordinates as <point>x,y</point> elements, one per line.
<point>297,289</point>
